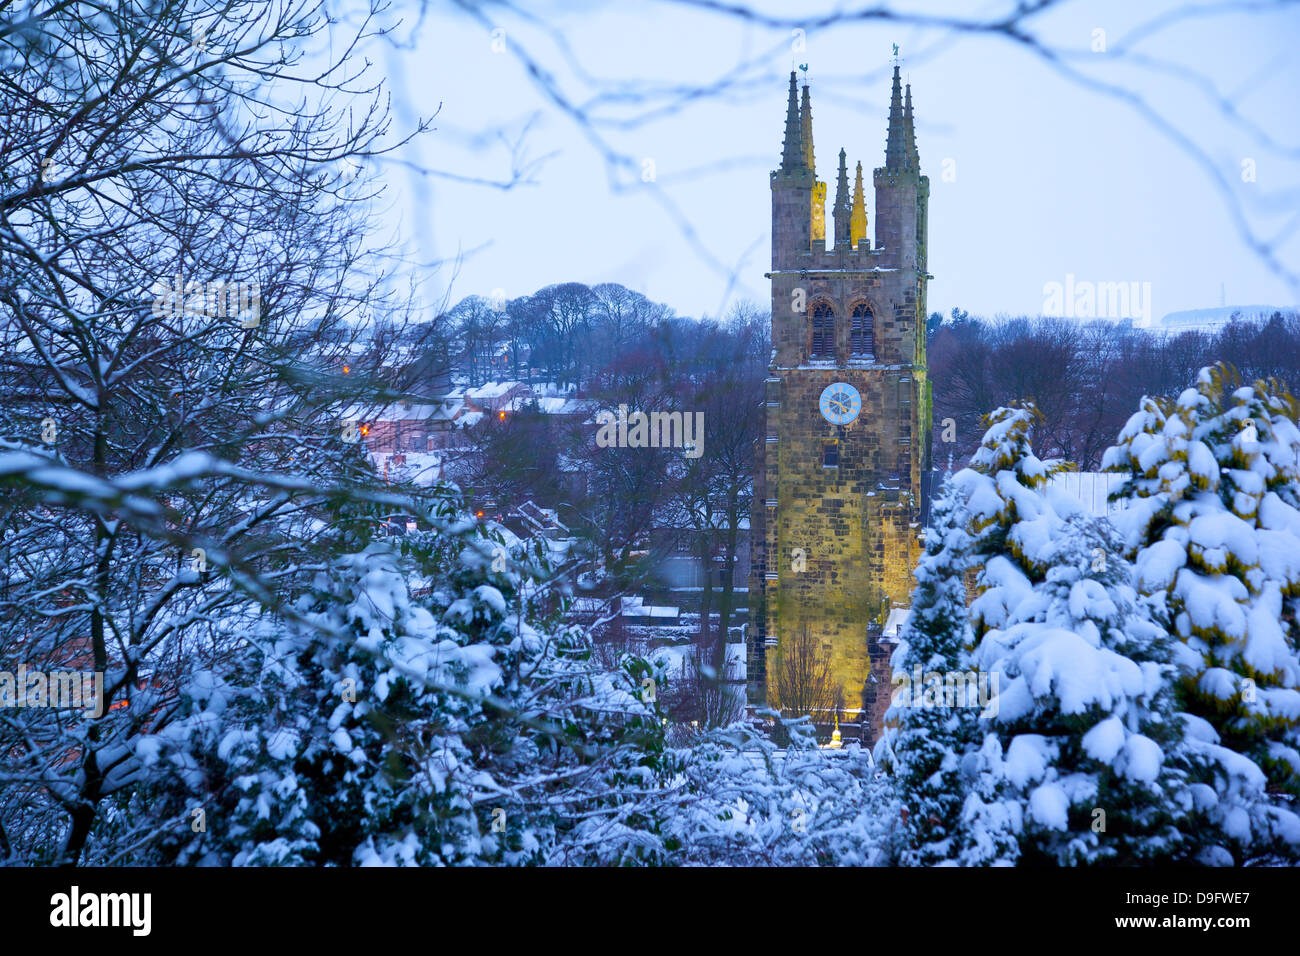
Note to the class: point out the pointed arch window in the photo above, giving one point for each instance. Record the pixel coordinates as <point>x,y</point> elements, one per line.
<point>823,331</point>
<point>861,332</point>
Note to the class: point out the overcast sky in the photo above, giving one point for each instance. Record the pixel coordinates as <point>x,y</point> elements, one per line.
<point>1047,178</point>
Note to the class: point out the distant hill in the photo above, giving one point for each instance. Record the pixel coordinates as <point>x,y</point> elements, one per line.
<point>1210,320</point>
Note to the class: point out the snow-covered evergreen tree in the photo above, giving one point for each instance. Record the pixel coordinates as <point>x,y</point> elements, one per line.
<point>1093,746</point>
<point>922,744</point>
<point>1084,759</point>
<point>1212,523</point>
<point>377,728</point>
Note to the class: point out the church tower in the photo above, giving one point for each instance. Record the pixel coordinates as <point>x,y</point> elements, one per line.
<point>837,489</point>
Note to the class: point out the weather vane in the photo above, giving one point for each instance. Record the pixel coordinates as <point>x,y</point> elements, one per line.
<point>895,51</point>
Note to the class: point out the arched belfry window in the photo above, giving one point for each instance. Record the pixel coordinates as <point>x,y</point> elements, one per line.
<point>861,331</point>
<point>823,331</point>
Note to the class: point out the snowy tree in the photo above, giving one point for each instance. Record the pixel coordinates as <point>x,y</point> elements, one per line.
<point>381,728</point>
<point>1093,749</point>
<point>365,765</point>
<point>1212,523</point>
<point>922,744</point>
<point>1083,759</point>
<point>180,286</point>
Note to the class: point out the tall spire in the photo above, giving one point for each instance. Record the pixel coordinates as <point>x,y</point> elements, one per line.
<point>805,114</point>
<point>895,145</point>
<point>858,221</point>
<point>792,151</point>
<point>913,158</point>
<point>843,211</point>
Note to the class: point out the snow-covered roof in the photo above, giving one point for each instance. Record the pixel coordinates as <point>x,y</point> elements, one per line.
<point>894,624</point>
<point>547,406</point>
<point>539,518</point>
<point>422,468</point>
<point>396,412</point>
<point>508,537</point>
<point>449,409</point>
<point>636,607</point>
<point>651,610</point>
<point>493,390</point>
<point>551,405</point>
<point>402,412</point>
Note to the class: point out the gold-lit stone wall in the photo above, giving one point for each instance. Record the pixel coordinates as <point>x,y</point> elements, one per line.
<point>840,542</point>
<point>834,548</point>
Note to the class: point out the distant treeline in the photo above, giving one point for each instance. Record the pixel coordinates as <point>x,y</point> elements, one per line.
<point>616,345</point>
<point>565,333</point>
<point>1086,378</point>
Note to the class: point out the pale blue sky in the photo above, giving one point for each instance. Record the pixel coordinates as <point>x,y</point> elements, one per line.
<point>1050,179</point>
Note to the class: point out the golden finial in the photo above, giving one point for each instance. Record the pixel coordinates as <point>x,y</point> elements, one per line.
<point>836,743</point>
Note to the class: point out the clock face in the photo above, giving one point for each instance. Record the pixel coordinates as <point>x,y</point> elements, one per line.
<point>840,403</point>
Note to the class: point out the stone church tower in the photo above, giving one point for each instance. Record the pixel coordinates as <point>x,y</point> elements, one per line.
<point>837,494</point>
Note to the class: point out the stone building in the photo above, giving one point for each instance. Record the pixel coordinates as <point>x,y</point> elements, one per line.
<point>837,498</point>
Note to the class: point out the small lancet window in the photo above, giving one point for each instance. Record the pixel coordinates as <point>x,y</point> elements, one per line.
<point>860,332</point>
<point>823,331</point>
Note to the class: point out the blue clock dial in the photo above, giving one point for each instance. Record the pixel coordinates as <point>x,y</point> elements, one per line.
<point>840,403</point>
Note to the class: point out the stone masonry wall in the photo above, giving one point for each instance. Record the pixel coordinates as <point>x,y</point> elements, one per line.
<point>834,547</point>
